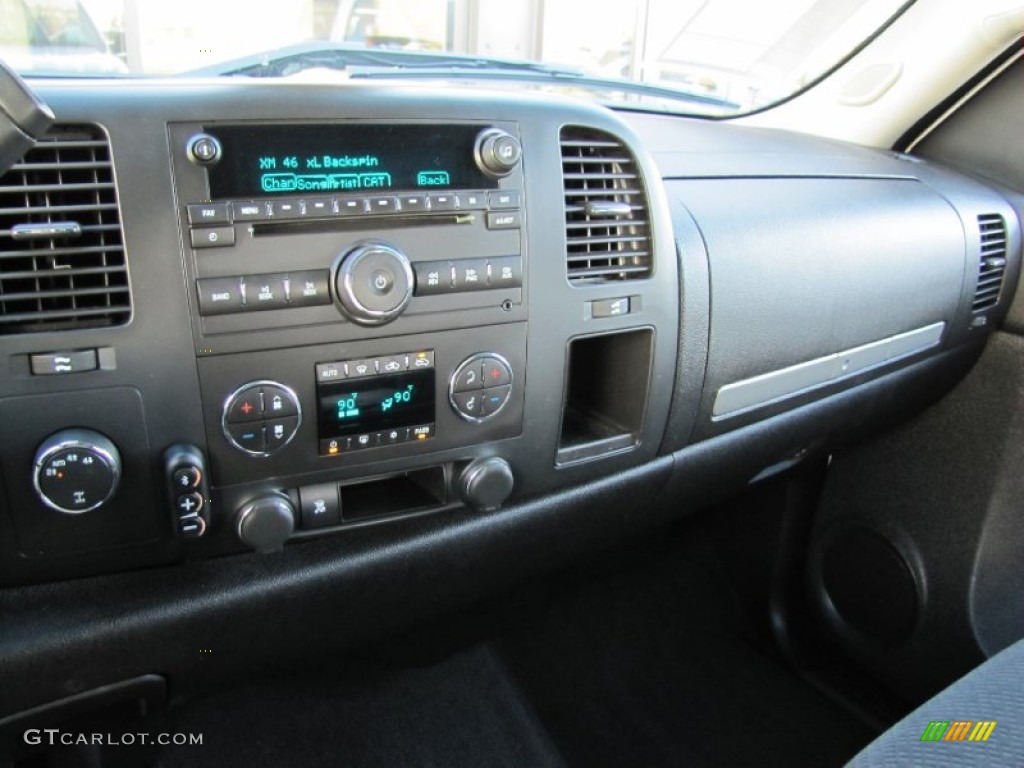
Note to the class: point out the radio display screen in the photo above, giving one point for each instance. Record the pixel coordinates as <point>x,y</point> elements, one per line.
<point>268,160</point>
<point>376,404</point>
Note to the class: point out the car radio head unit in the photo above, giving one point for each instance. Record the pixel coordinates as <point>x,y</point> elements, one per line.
<point>260,160</point>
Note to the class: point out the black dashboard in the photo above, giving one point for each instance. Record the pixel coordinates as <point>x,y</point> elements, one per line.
<point>413,336</point>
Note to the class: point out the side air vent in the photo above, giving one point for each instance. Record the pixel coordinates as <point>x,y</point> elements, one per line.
<point>607,222</point>
<point>62,261</point>
<point>992,264</point>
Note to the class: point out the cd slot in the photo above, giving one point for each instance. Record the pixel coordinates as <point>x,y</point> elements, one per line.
<point>393,221</point>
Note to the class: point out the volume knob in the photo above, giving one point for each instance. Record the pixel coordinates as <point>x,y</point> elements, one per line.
<point>373,283</point>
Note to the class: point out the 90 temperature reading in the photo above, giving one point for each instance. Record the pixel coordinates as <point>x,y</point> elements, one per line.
<point>397,398</point>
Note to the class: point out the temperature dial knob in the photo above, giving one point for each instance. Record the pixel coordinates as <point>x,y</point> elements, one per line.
<point>373,283</point>
<point>76,471</point>
<point>497,152</point>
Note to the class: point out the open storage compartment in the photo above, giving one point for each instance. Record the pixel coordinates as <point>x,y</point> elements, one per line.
<point>606,394</point>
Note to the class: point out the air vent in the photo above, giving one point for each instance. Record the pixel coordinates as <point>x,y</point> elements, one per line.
<point>992,264</point>
<point>62,261</point>
<point>606,215</point>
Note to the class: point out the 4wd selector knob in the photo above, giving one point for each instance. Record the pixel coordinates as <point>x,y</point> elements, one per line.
<point>497,152</point>
<point>76,471</point>
<point>373,283</point>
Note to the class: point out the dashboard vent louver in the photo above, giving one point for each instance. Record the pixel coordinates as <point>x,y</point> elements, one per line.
<point>608,233</point>
<point>62,260</point>
<point>992,263</point>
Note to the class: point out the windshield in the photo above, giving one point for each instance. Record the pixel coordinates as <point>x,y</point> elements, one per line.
<point>714,57</point>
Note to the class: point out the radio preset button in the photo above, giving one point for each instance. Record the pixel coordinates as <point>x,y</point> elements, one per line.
<point>350,206</point>
<point>413,203</point>
<point>284,209</point>
<point>212,237</point>
<point>382,204</point>
<point>443,202</point>
<point>315,207</point>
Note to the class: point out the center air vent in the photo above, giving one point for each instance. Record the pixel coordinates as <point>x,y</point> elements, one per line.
<point>606,214</point>
<point>62,261</point>
<point>992,263</point>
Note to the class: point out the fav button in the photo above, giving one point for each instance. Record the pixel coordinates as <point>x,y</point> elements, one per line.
<point>205,214</point>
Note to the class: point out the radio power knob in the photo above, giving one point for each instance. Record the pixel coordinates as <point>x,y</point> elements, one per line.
<point>373,283</point>
<point>497,152</point>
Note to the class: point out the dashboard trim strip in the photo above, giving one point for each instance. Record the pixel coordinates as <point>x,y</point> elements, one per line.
<point>741,396</point>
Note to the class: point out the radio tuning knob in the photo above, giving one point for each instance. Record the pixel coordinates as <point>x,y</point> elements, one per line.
<point>373,283</point>
<point>497,152</point>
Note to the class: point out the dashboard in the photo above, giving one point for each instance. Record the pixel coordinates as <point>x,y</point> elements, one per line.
<point>380,326</point>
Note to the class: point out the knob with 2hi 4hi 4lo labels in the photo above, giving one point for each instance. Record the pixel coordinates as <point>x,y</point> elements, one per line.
<point>76,471</point>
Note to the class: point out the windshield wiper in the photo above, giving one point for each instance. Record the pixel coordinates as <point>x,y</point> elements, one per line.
<point>381,63</point>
